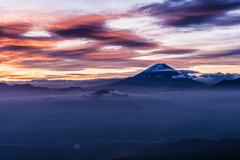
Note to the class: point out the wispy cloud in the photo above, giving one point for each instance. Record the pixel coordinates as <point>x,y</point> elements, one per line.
<point>183,13</point>
<point>37,43</point>
<point>94,27</point>
<point>214,78</point>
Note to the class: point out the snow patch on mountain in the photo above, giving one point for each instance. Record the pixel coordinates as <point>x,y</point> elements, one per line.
<point>158,68</point>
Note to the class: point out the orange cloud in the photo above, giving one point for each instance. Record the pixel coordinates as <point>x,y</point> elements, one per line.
<point>44,60</point>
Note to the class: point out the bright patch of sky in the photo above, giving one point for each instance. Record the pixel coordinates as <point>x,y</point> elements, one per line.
<point>102,71</point>
<point>37,34</point>
<point>216,68</point>
<point>31,73</point>
<point>223,38</point>
<point>215,38</point>
<point>159,57</point>
<point>111,47</point>
<point>89,6</point>
<point>71,43</point>
<point>131,22</point>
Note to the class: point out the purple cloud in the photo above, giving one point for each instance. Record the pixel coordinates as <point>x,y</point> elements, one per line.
<point>195,12</point>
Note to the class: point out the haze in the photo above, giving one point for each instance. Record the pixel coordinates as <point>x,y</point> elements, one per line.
<point>119,80</point>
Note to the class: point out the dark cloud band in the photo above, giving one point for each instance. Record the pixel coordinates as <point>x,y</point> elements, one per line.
<point>195,12</point>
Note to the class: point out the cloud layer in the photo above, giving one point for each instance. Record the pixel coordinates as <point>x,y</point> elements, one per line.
<point>214,78</point>
<point>82,46</point>
<point>182,13</point>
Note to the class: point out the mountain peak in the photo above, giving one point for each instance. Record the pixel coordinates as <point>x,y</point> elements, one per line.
<point>159,67</point>
<point>159,70</point>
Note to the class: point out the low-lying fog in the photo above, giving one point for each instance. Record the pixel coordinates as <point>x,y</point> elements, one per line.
<point>79,125</point>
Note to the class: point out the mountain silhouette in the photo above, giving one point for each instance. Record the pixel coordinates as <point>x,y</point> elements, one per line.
<point>29,88</point>
<point>4,87</point>
<point>158,71</point>
<point>101,93</point>
<point>158,75</point>
<point>69,89</point>
<point>228,84</point>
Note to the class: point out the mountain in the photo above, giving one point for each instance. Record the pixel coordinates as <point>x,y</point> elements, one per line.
<point>101,93</point>
<point>20,88</point>
<point>29,88</point>
<point>4,87</point>
<point>158,75</point>
<point>161,70</point>
<point>227,84</point>
<point>69,89</point>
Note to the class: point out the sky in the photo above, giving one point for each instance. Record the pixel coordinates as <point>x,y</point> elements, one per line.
<point>88,39</point>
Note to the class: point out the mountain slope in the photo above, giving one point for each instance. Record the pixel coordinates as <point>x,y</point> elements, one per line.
<point>158,75</point>
<point>29,88</point>
<point>227,84</point>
